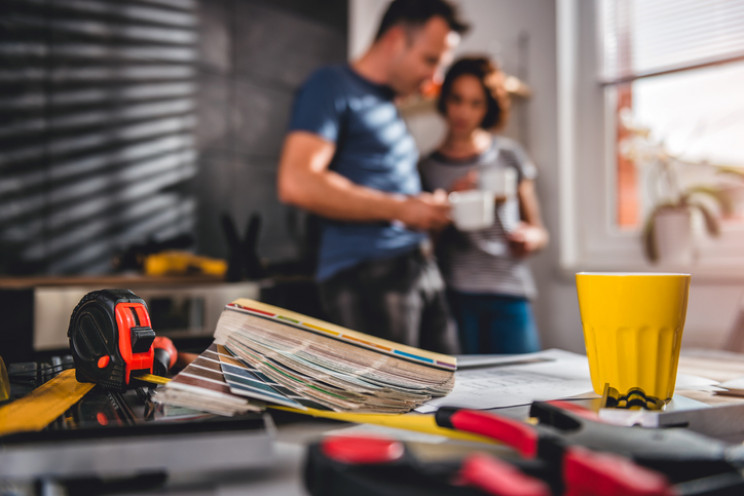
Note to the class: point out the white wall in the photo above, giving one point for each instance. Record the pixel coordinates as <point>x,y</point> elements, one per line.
<point>497,28</point>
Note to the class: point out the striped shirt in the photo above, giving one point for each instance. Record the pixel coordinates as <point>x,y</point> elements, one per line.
<point>480,261</point>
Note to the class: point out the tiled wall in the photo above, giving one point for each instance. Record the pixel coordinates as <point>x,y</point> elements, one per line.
<point>253,56</point>
<point>124,122</point>
<point>97,116</point>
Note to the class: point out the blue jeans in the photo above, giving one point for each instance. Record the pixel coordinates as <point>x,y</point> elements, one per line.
<point>490,323</point>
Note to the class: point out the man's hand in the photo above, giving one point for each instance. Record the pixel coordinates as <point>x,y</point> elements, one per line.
<point>425,212</point>
<point>304,180</point>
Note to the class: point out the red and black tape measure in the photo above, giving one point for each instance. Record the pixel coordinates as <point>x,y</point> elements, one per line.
<point>111,339</point>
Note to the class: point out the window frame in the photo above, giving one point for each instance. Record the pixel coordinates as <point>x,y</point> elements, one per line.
<point>589,239</point>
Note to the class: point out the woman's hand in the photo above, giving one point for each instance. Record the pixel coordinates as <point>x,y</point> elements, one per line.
<point>466,182</point>
<point>526,239</point>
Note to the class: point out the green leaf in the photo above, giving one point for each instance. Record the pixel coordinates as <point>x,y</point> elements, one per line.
<point>715,193</point>
<point>711,220</point>
<point>648,240</point>
<point>733,170</point>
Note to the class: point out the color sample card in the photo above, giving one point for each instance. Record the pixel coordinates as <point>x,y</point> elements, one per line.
<point>202,386</point>
<point>245,380</point>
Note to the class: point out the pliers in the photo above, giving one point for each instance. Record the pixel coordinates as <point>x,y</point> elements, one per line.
<point>593,457</point>
<point>567,453</point>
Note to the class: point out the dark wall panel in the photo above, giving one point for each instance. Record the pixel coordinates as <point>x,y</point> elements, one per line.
<point>128,121</point>
<point>258,117</point>
<point>287,58</point>
<point>254,56</point>
<point>97,119</point>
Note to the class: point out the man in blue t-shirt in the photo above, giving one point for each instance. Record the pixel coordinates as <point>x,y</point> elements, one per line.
<point>349,158</point>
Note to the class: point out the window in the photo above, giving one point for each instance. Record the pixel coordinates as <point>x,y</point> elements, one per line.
<point>655,115</point>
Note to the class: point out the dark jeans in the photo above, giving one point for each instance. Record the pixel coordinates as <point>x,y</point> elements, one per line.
<point>489,323</point>
<point>401,299</point>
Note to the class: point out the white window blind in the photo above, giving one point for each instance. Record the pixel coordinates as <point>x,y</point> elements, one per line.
<point>642,38</point>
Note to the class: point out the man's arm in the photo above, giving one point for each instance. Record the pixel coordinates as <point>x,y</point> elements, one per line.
<point>305,181</point>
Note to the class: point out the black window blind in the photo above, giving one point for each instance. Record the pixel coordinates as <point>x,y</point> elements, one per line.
<point>97,118</point>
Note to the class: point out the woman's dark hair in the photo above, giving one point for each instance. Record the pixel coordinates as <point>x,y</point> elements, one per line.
<point>491,78</point>
<point>415,13</point>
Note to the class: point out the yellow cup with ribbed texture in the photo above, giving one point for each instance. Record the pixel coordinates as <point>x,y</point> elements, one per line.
<point>633,325</point>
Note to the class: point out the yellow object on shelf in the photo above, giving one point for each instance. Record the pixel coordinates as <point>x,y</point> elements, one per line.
<point>183,263</point>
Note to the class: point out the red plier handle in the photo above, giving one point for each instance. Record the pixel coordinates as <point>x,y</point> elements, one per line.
<point>584,472</point>
<point>513,433</point>
<point>486,473</point>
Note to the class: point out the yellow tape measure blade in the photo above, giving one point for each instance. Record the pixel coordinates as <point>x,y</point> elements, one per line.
<point>153,379</point>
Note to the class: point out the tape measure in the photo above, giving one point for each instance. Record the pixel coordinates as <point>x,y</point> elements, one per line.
<point>113,343</point>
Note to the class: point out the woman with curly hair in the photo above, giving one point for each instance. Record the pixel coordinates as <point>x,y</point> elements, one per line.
<point>490,284</point>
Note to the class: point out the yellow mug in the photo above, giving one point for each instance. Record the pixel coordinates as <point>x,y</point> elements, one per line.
<point>633,325</point>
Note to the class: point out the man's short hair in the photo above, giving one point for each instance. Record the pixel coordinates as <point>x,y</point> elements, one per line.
<point>416,13</point>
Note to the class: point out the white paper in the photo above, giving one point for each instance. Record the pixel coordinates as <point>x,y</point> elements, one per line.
<point>687,382</point>
<point>512,380</point>
<point>737,383</point>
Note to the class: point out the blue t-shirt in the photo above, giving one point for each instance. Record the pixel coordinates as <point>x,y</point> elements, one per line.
<point>373,148</point>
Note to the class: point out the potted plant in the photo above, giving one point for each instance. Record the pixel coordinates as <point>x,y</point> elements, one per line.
<point>669,233</point>
<point>680,211</point>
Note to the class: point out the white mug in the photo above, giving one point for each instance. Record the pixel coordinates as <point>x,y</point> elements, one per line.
<point>472,210</point>
<point>502,182</point>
